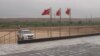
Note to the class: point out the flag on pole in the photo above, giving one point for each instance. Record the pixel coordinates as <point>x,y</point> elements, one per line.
<point>68,11</point>
<point>46,12</point>
<point>58,13</point>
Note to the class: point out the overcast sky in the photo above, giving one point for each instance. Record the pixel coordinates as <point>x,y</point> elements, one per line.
<point>34,8</point>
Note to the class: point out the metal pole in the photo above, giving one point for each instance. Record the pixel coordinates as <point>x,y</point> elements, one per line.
<point>9,37</point>
<point>35,31</point>
<point>51,22</point>
<point>70,23</point>
<point>48,31</point>
<point>60,24</point>
<point>86,23</point>
<point>0,40</point>
<point>4,39</point>
<point>15,36</point>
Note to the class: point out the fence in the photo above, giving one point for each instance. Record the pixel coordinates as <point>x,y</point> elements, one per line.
<point>50,32</point>
<point>9,38</point>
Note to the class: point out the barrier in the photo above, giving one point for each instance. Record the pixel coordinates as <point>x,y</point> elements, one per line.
<point>44,34</point>
<point>55,38</point>
<point>8,38</point>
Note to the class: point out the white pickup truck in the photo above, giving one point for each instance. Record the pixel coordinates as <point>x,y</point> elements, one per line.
<point>25,34</point>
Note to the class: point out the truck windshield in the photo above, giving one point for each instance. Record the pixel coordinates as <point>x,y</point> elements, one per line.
<point>26,32</point>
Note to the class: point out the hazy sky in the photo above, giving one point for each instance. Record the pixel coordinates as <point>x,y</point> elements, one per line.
<point>34,8</point>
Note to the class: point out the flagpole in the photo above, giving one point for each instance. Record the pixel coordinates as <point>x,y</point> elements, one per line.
<point>70,23</point>
<point>60,24</point>
<point>54,17</point>
<point>51,22</point>
<point>48,12</point>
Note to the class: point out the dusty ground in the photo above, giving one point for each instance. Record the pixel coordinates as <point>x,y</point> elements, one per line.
<point>85,46</point>
<point>82,49</point>
<point>9,35</point>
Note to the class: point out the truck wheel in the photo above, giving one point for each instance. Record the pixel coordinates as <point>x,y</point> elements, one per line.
<point>22,39</point>
<point>18,38</point>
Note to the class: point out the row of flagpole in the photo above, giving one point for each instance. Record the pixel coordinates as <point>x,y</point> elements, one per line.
<point>58,13</point>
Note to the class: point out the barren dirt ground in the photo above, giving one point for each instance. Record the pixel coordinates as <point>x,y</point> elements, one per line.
<point>9,35</point>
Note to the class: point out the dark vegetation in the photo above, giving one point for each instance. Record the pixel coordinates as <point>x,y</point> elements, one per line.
<point>45,24</point>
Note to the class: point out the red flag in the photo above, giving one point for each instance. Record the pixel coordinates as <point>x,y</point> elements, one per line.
<point>58,13</point>
<point>68,12</point>
<point>46,12</point>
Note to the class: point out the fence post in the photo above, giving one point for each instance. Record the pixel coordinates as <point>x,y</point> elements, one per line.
<point>35,31</point>
<point>48,31</point>
<point>51,31</point>
<point>0,40</point>
<point>78,30</point>
<point>4,39</point>
<point>9,37</point>
<point>60,31</point>
<point>15,36</point>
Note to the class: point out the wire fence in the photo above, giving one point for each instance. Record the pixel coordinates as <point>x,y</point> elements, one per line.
<point>50,32</point>
<point>9,38</point>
